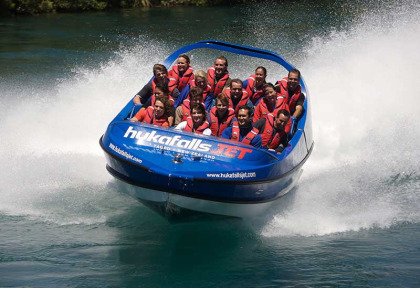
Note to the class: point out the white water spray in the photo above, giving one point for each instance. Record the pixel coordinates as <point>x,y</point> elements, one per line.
<point>52,166</point>
<point>365,169</point>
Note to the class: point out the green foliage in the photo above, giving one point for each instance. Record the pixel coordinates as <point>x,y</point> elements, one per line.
<point>49,6</point>
<point>79,5</point>
<point>145,3</point>
<point>6,6</point>
<point>46,6</point>
<point>27,6</point>
<point>135,3</point>
<point>184,2</point>
<point>203,2</point>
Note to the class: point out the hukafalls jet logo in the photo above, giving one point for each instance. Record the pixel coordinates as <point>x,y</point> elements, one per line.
<point>231,151</point>
<point>175,141</point>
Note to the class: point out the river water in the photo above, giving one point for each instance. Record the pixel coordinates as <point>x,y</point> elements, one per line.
<point>353,220</point>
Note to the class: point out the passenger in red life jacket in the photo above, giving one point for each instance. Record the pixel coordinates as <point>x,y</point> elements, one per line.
<point>197,122</point>
<point>238,96</point>
<point>161,90</point>
<point>271,103</point>
<point>273,130</point>
<point>218,79</point>
<point>156,114</point>
<point>255,84</point>
<point>221,116</point>
<point>181,74</point>
<point>184,110</point>
<point>242,130</point>
<point>290,88</point>
<point>200,80</point>
<point>160,76</point>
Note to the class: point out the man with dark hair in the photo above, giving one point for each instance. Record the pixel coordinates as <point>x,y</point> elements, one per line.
<point>272,130</point>
<point>242,130</point>
<point>238,96</point>
<point>290,88</point>
<point>160,74</point>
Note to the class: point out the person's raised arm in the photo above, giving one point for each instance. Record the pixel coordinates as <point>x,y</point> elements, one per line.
<point>143,94</point>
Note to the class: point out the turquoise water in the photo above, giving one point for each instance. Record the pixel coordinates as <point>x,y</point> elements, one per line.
<point>353,220</point>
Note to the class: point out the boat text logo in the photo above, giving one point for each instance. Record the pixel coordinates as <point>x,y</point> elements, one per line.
<point>177,141</point>
<point>226,150</point>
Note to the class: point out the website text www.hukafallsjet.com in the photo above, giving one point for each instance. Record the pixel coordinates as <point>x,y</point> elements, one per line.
<point>241,175</point>
<point>123,153</point>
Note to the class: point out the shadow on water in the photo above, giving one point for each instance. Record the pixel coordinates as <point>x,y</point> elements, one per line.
<point>159,247</point>
<point>154,246</point>
<point>223,253</point>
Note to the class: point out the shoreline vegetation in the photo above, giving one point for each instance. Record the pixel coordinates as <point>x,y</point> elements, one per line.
<point>36,7</point>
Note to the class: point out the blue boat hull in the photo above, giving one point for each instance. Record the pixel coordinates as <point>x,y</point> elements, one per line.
<point>178,208</point>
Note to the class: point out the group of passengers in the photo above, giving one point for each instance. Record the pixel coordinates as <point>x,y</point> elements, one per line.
<point>253,112</point>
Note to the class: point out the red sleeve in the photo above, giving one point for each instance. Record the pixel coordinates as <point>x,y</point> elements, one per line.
<point>173,80</point>
<point>257,113</point>
<point>140,115</point>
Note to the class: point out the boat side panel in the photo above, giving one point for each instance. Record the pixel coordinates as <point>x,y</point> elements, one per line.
<point>156,148</point>
<point>235,162</point>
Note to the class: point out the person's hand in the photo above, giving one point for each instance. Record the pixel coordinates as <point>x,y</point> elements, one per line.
<point>137,99</point>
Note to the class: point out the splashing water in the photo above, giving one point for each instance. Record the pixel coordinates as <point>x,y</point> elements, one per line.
<point>58,169</point>
<point>365,169</point>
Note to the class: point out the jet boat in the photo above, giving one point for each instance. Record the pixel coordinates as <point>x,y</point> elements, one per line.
<point>178,173</point>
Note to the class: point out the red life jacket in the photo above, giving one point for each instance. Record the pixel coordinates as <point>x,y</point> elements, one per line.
<point>248,138</point>
<point>267,134</point>
<point>243,101</point>
<point>177,81</point>
<point>205,92</point>
<point>152,99</point>
<point>186,109</point>
<point>275,142</point>
<point>154,82</point>
<point>291,100</point>
<point>171,100</point>
<point>149,118</point>
<point>262,110</point>
<point>216,88</point>
<point>216,128</point>
<point>199,130</point>
<point>254,93</point>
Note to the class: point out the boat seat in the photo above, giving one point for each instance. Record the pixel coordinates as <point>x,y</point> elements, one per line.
<point>244,83</point>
